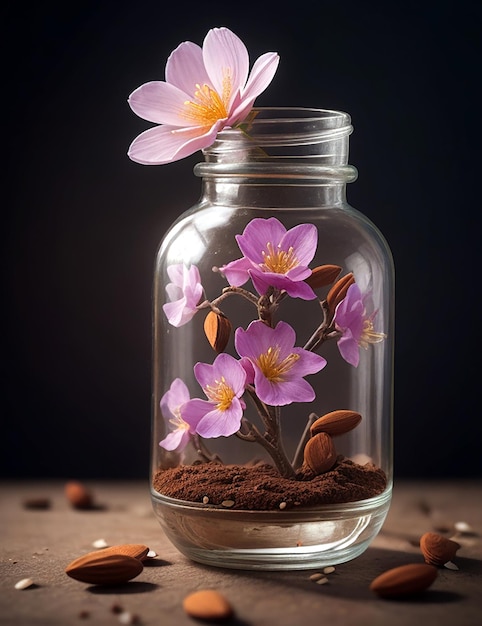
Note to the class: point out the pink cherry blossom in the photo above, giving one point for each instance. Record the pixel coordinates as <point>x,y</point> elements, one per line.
<point>223,382</point>
<point>206,89</point>
<point>171,406</point>
<point>278,366</point>
<point>274,257</point>
<point>185,292</point>
<point>355,326</point>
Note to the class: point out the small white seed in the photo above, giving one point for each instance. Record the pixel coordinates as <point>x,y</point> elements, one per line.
<point>282,505</point>
<point>151,554</point>
<point>24,583</point>
<point>100,543</point>
<point>227,503</point>
<point>450,565</point>
<point>205,500</point>
<point>462,527</point>
<point>328,570</point>
<point>322,581</point>
<point>317,576</point>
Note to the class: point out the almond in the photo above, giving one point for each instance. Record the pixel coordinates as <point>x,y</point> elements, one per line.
<point>207,604</point>
<point>336,423</point>
<point>338,291</point>
<point>218,330</point>
<point>404,580</point>
<point>320,454</point>
<point>323,275</point>
<point>437,549</point>
<point>136,550</point>
<point>78,495</point>
<point>100,569</point>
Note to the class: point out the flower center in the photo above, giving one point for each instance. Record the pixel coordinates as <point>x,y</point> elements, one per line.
<point>274,369</point>
<point>277,260</point>
<point>369,335</point>
<point>208,106</point>
<point>220,393</point>
<point>177,422</point>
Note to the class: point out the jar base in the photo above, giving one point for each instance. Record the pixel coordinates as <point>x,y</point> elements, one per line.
<point>272,540</point>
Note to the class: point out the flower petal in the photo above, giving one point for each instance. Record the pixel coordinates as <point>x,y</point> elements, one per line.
<point>296,289</point>
<point>236,272</point>
<point>165,144</point>
<point>226,60</point>
<point>257,234</point>
<point>178,313</point>
<point>177,439</point>
<point>260,77</point>
<point>248,368</point>
<point>177,394</point>
<point>161,103</point>
<point>227,367</point>
<point>303,239</point>
<point>194,410</point>
<point>276,394</point>
<point>218,423</point>
<point>185,68</point>
<point>349,349</point>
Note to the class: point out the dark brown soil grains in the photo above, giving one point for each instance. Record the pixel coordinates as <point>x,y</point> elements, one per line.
<point>261,488</point>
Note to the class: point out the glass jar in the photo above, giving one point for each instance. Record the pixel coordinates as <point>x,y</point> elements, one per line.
<point>273,354</point>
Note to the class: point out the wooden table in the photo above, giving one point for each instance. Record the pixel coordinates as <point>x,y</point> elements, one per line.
<point>38,544</point>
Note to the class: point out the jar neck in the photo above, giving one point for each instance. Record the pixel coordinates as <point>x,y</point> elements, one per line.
<point>273,157</point>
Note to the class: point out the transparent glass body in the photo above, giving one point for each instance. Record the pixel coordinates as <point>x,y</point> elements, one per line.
<point>292,165</point>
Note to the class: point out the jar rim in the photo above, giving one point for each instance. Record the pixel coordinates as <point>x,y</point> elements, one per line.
<point>285,126</point>
<point>269,115</point>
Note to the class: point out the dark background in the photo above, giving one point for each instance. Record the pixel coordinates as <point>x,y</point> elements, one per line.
<point>81,222</point>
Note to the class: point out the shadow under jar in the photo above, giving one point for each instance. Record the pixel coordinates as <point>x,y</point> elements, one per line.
<point>273,354</point>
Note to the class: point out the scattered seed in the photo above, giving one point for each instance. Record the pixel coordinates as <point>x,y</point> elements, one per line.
<point>205,500</point>
<point>322,581</point>
<point>37,503</point>
<point>208,605</point>
<point>24,583</point>
<point>450,565</point>
<point>227,503</point>
<point>151,554</point>
<point>128,618</point>
<point>462,527</point>
<point>328,570</point>
<point>282,505</point>
<point>100,543</point>
<point>316,577</point>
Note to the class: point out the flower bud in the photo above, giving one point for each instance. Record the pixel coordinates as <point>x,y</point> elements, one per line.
<point>323,275</point>
<point>338,292</point>
<point>320,454</point>
<point>217,328</point>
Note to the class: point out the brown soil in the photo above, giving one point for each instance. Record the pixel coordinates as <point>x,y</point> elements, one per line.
<point>261,488</point>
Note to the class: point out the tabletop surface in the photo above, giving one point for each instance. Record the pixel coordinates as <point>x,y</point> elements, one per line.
<point>39,544</point>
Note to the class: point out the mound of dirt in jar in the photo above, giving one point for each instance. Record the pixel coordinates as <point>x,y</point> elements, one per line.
<point>261,488</point>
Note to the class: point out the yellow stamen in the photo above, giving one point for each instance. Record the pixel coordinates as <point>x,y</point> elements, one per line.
<point>277,260</point>
<point>221,393</point>
<point>177,421</point>
<point>274,369</point>
<point>208,105</point>
<point>369,336</point>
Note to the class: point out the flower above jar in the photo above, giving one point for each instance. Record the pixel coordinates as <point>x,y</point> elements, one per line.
<point>205,90</point>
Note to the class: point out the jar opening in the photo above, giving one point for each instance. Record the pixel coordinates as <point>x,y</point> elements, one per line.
<point>282,136</point>
<point>272,126</point>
